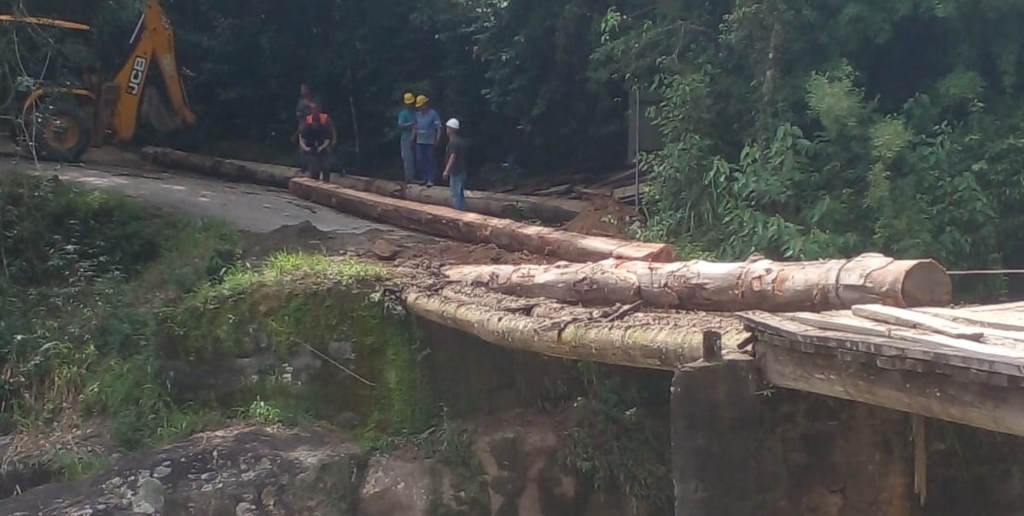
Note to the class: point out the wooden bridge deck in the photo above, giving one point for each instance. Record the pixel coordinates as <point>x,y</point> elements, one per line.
<point>959,364</point>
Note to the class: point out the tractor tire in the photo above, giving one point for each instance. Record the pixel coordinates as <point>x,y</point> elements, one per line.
<point>63,131</point>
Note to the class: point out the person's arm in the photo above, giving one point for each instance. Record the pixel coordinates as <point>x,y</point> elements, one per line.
<point>302,143</point>
<point>334,133</point>
<point>451,162</point>
<point>437,128</point>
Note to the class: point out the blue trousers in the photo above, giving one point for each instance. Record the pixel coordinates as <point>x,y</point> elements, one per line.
<point>426,162</point>
<point>408,161</point>
<point>457,186</point>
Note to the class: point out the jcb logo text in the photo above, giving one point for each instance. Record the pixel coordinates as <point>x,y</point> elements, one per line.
<point>137,76</point>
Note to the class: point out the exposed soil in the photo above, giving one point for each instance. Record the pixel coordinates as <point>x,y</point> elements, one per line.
<point>457,252</point>
<point>604,217</point>
<point>304,236</point>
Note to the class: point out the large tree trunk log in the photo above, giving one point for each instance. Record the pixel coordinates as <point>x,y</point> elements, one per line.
<point>475,228</point>
<point>668,344</point>
<point>552,211</point>
<point>229,169</point>
<point>699,285</point>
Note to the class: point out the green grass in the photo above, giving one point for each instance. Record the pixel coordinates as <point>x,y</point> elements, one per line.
<point>84,275</point>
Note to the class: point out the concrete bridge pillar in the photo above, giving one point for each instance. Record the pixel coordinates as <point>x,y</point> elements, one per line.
<point>715,426</point>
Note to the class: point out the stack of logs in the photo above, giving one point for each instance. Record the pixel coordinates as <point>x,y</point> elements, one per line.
<point>611,301</point>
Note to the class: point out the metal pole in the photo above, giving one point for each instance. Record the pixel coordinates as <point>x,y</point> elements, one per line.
<point>636,150</point>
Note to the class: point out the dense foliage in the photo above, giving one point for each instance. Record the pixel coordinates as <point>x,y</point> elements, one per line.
<point>795,129</point>
<point>813,129</point>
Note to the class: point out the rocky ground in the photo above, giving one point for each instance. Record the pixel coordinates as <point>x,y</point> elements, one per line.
<point>251,470</point>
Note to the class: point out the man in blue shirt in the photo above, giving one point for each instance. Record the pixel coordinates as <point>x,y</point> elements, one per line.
<point>406,121</point>
<point>428,137</point>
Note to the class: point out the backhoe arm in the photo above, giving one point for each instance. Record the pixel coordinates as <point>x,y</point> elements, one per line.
<point>153,39</point>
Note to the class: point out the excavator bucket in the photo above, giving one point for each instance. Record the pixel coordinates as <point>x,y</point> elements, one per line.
<point>156,113</point>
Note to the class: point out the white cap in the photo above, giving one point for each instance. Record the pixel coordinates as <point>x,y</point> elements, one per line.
<point>453,123</point>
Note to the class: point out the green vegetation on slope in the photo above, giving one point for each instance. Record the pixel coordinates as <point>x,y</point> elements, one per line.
<point>83,277</point>
<point>298,308</point>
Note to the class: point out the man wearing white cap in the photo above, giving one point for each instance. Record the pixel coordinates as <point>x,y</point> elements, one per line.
<point>455,165</point>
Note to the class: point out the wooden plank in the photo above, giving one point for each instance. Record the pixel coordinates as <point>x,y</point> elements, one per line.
<point>835,321</point>
<point>1001,307</point>
<point>815,339</point>
<point>1007,320</point>
<point>915,320</point>
<point>963,344</point>
<point>1000,409</point>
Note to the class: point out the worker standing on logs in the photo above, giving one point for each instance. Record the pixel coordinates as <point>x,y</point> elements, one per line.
<point>406,121</point>
<point>428,137</point>
<point>302,110</point>
<point>315,139</point>
<point>455,165</point>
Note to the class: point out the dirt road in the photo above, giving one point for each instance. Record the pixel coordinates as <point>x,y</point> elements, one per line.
<point>247,207</point>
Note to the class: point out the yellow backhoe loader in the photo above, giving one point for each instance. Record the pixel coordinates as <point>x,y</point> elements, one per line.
<point>61,122</point>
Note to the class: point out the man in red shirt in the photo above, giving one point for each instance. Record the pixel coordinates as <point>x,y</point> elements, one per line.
<point>315,141</point>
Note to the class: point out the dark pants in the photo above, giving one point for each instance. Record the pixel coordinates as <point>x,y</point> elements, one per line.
<point>316,165</point>
<point>303,161</point>
<point>426,162</point>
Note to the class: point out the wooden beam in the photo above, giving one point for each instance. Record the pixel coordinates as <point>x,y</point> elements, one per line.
<point>939,396</point>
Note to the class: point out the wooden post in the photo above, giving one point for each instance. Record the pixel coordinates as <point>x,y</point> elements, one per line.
<point>920,457</point>
<point>712,346</point>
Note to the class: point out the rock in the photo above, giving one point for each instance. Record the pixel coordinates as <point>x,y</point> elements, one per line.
<point>236,471</point>
<point>524,473</point>
<point>384,250</point>
<point>394,486</point>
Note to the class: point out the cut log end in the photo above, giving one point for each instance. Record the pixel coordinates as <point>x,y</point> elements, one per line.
<point>926,283</point>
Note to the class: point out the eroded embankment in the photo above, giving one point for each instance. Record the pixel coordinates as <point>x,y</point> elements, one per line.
<point>125,332</point>
<point>325,339</point>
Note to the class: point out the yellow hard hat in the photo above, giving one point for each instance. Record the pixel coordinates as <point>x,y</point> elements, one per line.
<point>422,99</point>
<point>409,98</point>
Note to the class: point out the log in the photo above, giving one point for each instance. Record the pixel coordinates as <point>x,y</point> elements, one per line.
<point>666,347</point>
<point>758,284</point>
<point>553,211</point>
<point>229,169</point>
<point>475,228</point>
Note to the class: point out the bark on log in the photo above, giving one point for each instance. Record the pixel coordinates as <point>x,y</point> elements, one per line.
<point>553,211</point>
<point>699,285</point>
<point>475,228</point>
<point>229,169</point>
<point>667,347</point>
